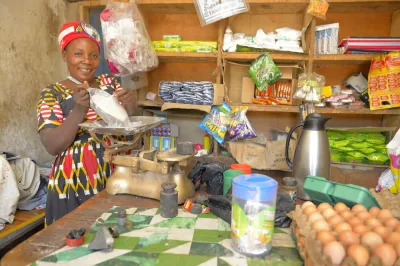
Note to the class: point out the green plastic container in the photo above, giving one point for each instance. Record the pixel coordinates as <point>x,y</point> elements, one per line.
<point>229,175</point>
<point>321,190</point>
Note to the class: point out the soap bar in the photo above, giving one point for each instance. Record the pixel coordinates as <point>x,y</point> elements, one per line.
<point>185,148</point>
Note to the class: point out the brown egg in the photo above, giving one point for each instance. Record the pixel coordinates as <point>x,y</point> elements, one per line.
<point>359,208</point>
<point>306,204</point>
<point>346,214</point>
<point>325,237</point>
<point>335,251</point>
<point>320,225</point>
<point>397,248</point>
<point>372,222</point>
<point>384,215</point>
<point>391,222</point>
<point>309,210</point>
<point>397,228</point>
<point>340,206</point>
<point>363,215</point>
<point>360,229</point>
<point>359,253</point>
<point>393,238</point>
<point>334,220</point>
<point>387,253</point>
<point>323,206</point>
<point>371,239</point>
<point>340,227</point>
<point>328,213</point>
<point>382,231</point>
<point>354,220</point>
<point>314,217</point>
<point>374,211</point>
<point>348,238</point>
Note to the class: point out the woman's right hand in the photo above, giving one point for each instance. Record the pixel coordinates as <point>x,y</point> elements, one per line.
<point>81,98</point>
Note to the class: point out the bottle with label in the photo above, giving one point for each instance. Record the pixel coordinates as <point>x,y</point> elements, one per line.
<point>206,142</point>
<point>289,185</point>
<point>253,214</point>
<point>228,36</point>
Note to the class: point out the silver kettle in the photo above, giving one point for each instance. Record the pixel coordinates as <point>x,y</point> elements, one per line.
<point>312,155</point>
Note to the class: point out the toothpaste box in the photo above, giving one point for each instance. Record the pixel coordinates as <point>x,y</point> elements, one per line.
<point>327,39</point>
<point>155,142</point>
<point>167,143</point>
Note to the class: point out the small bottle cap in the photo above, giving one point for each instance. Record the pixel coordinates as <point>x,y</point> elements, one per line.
<point>168,186</point>
<point>289,181</point>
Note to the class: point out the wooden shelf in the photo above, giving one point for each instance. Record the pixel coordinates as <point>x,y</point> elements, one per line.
<point>349,59</point>
<point>295,109</point>
<point>263,6</point>
<point>147,103</point>
<point>277,57</point>
<point>176,56</point>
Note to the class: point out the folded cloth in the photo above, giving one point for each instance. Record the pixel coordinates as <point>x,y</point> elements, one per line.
<point>9,193</point>
<point>27,176</point>
<point>38,201</point>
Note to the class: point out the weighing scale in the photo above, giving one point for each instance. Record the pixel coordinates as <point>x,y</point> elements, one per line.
<point>143,172</point>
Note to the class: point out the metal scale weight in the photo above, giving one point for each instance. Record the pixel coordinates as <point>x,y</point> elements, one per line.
<point>141,174</point>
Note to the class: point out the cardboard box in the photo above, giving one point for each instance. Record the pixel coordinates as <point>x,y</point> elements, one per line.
<point>167,143</point>
<point>270,156</point>
<point>239,88</point>
<point>155,142</point>
<point>219,94</point>
<point>248,88</point>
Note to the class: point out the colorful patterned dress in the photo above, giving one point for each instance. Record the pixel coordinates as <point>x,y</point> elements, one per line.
<point>79,172</point>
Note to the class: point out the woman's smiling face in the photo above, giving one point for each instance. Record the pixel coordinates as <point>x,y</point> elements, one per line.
<point>83,58</point>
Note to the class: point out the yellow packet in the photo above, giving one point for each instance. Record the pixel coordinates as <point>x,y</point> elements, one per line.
<point>318,8</point>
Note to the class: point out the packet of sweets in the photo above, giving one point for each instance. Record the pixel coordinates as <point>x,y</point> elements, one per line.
<point>217,121</point>
<point>240,127</point>
<point>264,72</point>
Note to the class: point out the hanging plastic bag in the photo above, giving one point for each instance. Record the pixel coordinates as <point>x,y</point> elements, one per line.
<point>108,108</point>
<point>318,8</point>
<point>127,45</point>
<point>240,127</point>
<point>210,11</point>
<point>264,72</point>
<point>217,121</point>
<point>309,87</point>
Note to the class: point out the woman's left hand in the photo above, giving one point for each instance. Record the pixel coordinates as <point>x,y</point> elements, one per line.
<point>125,96</point>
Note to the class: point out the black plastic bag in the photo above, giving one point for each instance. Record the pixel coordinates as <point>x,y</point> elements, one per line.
<point>221,207</point>
<point>284,205</point>
<point>210,173</point>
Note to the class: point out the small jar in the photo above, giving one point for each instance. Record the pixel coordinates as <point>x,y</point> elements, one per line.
<point>168,200</point>
<point>289,185</point>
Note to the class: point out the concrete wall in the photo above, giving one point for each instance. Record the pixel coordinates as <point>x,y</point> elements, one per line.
<point>29,60</point>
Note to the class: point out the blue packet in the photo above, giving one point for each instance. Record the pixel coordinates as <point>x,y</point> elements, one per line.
<point>217,121</point>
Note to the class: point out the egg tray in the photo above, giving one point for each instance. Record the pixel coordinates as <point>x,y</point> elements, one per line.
<point>388,200</point>
<point>311,249</point>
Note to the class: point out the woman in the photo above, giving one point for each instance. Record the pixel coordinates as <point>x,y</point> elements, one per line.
<point>79,170</point>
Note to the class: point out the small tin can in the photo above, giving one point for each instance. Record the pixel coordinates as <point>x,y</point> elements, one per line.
<point>289,185</point>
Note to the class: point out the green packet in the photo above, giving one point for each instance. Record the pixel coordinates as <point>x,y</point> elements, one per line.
<point>174,37</point>
<point>335,135</point>
<point>187,50</point>
<point>264,72</point>
<point>179,44</point>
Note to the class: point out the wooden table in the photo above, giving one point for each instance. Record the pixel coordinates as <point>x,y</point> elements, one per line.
<point>52,238</point>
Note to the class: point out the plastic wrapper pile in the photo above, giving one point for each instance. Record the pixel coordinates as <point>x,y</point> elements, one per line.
<point>201,93</point>
<point>345,99</point>
<point>127,46</point>
<point>358,147</point>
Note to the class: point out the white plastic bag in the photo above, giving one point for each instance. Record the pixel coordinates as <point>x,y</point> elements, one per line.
<point>108,108</point>
<point>127,45</point>
<point>210,11</point>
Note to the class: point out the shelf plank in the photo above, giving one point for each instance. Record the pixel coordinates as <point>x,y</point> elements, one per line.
<point>176,56</point>
<point>350,59</point>
<point>295,109</point>
<point>277,57</point>
<point>264,6</point>
<point>148,103</point>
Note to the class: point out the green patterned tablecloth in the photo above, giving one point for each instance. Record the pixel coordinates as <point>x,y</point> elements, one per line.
<point>184,240</point>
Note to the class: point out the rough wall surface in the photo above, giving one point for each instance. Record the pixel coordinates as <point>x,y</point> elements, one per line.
<point>29,60</point>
